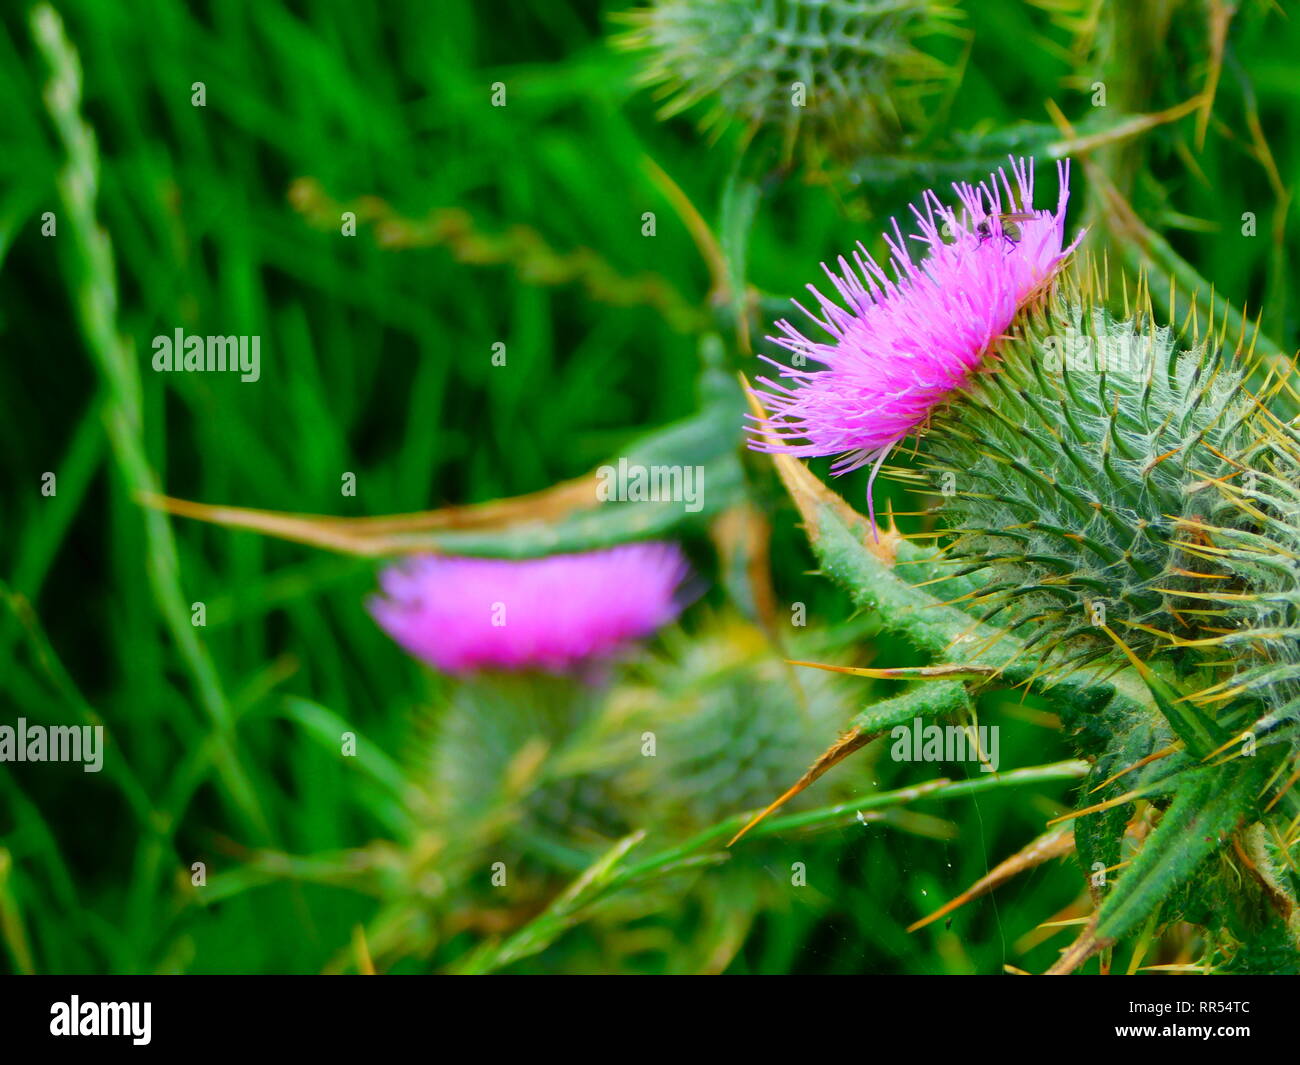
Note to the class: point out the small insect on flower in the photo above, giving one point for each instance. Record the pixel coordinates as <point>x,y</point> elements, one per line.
<point>556,614</point>
<point>1004,225</point>
<point>904,341</point>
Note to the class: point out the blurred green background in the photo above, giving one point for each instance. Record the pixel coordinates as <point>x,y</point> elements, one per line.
<point>481,225</point>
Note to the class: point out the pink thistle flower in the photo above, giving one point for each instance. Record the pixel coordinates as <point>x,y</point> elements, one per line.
<point>555,614</point>
<point>906,343</point>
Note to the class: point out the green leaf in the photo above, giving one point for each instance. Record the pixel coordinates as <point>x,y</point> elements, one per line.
<point>927,700</point>
<point>1203,813</point>
<point>1199,732</point>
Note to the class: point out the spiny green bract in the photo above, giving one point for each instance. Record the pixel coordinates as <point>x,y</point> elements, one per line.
<point>863,78</point>
<point>551,771</point>
<point>1121,494</point>
<point>1072,473</point>
<point>729,718</point>
<point>516,784</point>
<point>493,767</point>
<point>1252,533</point>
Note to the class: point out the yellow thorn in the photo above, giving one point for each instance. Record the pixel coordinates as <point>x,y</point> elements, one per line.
<point>1138,765</point>
<point>1128,796</point>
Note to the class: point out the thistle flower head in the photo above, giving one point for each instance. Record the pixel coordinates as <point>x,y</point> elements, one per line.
<point>555,614</point>
<point>906,339</point>
<point>840,76</point>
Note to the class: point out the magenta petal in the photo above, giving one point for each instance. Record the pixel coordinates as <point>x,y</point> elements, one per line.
<point>904,340</point>
<point>462,615</point>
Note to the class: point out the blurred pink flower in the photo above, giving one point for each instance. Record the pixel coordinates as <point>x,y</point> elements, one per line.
<point>556,614</point>
<point>906,343</point>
